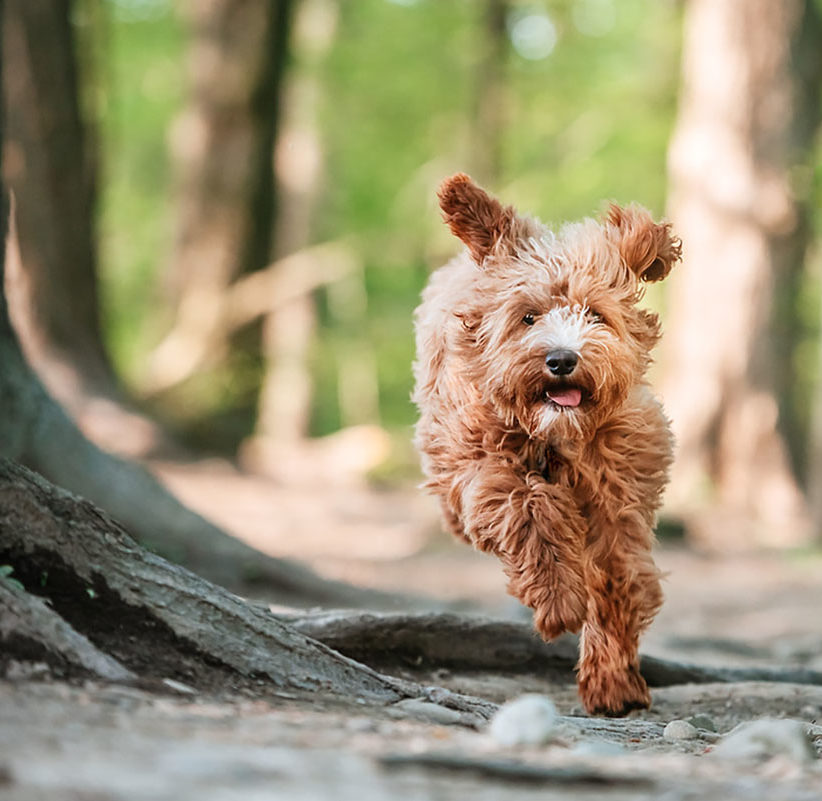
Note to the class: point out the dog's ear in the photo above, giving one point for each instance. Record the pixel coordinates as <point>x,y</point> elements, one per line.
<point>649,249</point>
<point>478,219</point>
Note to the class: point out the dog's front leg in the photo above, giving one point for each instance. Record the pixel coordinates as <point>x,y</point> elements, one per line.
<point>536,530</point>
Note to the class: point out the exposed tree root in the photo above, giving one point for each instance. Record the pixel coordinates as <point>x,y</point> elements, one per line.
<point>456,641</point>
<point>160,620</point>
<point>36,631</point>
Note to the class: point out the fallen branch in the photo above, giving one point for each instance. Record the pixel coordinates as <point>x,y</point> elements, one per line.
<point>200,337</point>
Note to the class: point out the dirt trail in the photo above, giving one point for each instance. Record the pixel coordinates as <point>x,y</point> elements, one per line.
<point>92,741</point>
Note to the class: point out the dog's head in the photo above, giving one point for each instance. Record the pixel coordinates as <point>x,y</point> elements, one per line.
<point>549,329</point>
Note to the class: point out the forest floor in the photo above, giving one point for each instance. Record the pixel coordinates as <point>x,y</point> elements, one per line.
<point>93,741</point>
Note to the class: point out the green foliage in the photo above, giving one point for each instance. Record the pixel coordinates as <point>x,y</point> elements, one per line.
<point>588,121</point>
<point>143,85</point>
<point>5,575</point>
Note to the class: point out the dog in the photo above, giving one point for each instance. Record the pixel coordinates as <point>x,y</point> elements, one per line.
<point>537,428</point>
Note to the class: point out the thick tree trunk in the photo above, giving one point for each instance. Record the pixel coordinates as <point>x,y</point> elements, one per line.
<point>732,203</point>
<point>51,172</point>
<point>51,270</point>
<point>223,149</point>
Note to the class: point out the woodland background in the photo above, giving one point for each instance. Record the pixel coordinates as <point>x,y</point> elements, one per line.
<point>222,213</point>
<point>225,214</point>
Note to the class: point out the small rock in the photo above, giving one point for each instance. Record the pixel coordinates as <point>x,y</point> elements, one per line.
<point>425,710</point>
<point>768,737</point>
<point>703,722</point>
<point>527,720</point>
<point>680,730</point>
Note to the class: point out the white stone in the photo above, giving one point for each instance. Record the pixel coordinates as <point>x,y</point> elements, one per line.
<point>680,730</point>
<point>768,737</point>
<point>527,720</point>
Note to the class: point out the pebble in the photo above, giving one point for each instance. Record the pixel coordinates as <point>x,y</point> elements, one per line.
<point>425,710</point>
<point>680,730</point>
<point>703,722</point>
<point>768,737</point>
<point>528,720</point>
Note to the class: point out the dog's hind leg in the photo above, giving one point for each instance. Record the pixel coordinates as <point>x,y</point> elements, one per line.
<point>623,597</point>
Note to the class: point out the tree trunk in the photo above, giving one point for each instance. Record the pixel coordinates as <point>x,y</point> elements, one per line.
<point>736,140</point>
<point>35,431</point>
<point>50,164</point>
<point>284,408</point>
<point>51,172</point>
<point>223,149</point>
<point>490,94</point>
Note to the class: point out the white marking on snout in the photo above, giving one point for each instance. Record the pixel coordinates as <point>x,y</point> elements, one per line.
<point>561,328</point>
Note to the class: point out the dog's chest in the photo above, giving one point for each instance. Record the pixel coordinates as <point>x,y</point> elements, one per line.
<point>546,460</point>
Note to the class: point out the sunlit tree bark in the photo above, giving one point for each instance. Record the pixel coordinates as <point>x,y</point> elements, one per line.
<point>742,128</point>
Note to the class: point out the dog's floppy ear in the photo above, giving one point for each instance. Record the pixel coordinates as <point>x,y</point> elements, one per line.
<point>649,249</point>
<point>473,216</point>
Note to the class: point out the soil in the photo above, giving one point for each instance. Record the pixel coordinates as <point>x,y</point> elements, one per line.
<point>63,739</point>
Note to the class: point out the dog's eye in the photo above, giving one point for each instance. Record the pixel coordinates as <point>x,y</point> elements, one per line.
<point>595,317</point>
<point>529,319</point>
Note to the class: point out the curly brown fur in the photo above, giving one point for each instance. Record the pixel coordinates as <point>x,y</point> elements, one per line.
<point>555,463</point>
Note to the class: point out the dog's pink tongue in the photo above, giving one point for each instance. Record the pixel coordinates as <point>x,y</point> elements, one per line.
<point>565,397</point>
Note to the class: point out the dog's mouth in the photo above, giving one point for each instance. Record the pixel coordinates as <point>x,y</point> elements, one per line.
<point>568,397</point>
<point>565,396</point>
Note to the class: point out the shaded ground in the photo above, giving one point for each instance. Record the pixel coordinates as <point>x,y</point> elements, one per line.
<point>92,741</point>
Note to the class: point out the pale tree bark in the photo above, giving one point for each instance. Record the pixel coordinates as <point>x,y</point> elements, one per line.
<point>222,145</point>
<point>739,133</point>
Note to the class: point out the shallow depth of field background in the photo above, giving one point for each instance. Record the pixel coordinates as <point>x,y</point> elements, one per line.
<point>557,106</point>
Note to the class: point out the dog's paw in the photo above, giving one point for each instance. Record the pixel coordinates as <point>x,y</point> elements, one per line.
<point>613,693</point>
<point>562,611</point>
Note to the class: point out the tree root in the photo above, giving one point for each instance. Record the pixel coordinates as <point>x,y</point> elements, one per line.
<point>160,620</point>
<point>446,640</point>
<point>38,631</point>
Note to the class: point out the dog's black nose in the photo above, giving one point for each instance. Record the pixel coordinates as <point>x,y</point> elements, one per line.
<point>561,362</point>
